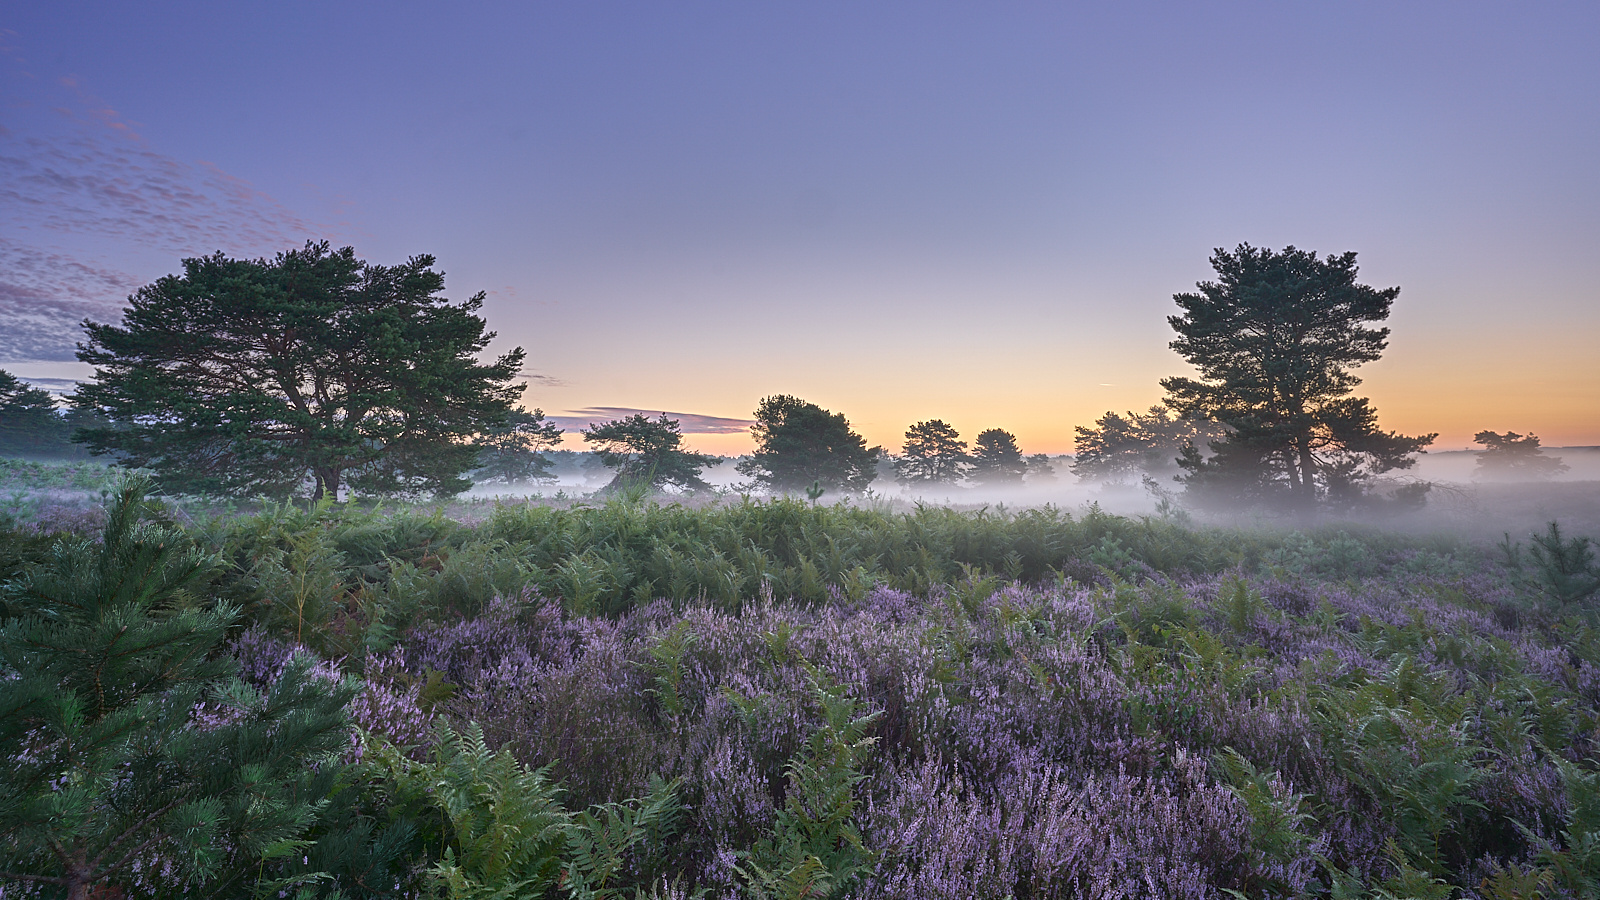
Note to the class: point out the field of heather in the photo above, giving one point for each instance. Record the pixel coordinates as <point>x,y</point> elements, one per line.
<point>778,699</point>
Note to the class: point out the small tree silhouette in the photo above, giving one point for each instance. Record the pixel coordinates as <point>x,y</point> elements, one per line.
<point>1513,457</point>
<point>934,453</point>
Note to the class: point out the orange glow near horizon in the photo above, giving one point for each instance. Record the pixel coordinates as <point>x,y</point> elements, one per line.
<point>1492,407</point>
<point>1456,363</point>
<point>1550,389</point>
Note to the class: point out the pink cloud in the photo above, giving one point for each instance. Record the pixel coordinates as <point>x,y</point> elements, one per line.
<point>688,423</point>
<point>85,182</point>
<point>45,295</point>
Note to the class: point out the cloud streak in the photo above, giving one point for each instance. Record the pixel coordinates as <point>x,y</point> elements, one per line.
<point>45,294</point>
<point>74,166</point>
<point>550,381</point>
<point>61,387</point>
<point>77,180</point>
<point>688,423</point>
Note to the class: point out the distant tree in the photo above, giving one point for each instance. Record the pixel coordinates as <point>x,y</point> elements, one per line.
<point>30,424</point>
<point>800,444</point>
<point>647,451</point>
<point>1274,340</point>
<point>996,459</point>
<point>933,454</point>
<point>511,452</point>
<point>1512,457</point>
<point>887,467</point>
<point>126,741</point>
<point>315,367</point>
<point>1039,470</point>
<point>593,467</point>
<point>1119,447</point>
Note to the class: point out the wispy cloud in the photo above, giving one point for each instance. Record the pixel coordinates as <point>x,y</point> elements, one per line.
<point>58,386</point>
<point>77,183</point>
<point>45,294</point>
<point>549,381</point>
<point>90,172</point>
<point>688,423</point>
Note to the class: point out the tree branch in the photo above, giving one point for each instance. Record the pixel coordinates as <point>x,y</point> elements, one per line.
<point>41,879</point>
<point>128,833</point>
<point>126,857</point>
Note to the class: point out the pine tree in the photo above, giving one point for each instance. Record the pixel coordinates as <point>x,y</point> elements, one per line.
<point>1275,339</point>
<point>510,453</point>
<point>996,458</point>
<point>1148,443</point>
<point>128,751</point>
<point>934,453</point>
<point>1513,457</point>
<point>646,451</point>
<point>800,444</point>
<point>30,425</point>
<point>1039,469</point>
<point>311,369</point>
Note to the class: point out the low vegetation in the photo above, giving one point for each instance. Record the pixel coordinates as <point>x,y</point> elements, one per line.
<point>783,699</point>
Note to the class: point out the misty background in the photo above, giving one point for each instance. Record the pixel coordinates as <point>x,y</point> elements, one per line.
<point>1459,503</point>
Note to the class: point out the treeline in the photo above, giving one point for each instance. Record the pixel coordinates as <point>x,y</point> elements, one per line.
<point>34,425</point>
<point>318,373</point>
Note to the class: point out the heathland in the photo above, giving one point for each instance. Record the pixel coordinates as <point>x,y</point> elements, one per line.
<point>1349,680</point>
<point>776,698</point>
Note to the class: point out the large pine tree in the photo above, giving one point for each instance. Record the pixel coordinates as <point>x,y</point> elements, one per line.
<point>996,459</point>
<point>311,369</point>
<point>799,444</point>
<point>1275,338</point>
<point>934,453</point>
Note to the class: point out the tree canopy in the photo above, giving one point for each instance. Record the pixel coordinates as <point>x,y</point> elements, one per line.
<point>996,458</point>
<point>1039,469</point>
<point>934,453</point>
<point>30,424</point>
<point>649,451</point>
<point>311,369</point>
<point>1148,443</point>
<point>800,444</point>
<point>1275,339</point>
<point>1513,457</point>
<point>512,452</point>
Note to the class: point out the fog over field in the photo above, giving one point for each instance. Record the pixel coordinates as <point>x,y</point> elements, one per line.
<point>1458,503</point>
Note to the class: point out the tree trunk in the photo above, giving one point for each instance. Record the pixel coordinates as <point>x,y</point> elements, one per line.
<point>1308,470</point>
<point>80,880</point>
<point>327,484</point>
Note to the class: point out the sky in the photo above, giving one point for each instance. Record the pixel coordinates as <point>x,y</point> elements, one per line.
<point>899,211</point>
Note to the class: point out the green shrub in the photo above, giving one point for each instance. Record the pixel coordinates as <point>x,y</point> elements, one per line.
<point>815,849</point>
<point>122,731</point>
<point>1564,568</point>
<point>511,837</point>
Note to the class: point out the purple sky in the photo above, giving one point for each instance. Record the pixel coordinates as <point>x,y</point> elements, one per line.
<point>900,211</point>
